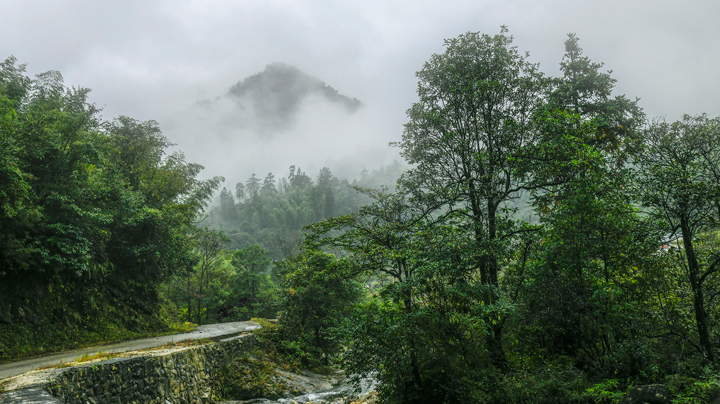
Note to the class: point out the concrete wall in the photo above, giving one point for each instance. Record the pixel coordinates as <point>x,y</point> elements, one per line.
<point>180,376</point>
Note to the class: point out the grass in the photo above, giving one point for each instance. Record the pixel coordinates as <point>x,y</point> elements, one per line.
<point>21,341</point>
<point>178,328</point>
<point>96,356</point>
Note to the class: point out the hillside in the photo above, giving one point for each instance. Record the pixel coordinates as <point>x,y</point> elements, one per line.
<point>276,93</point>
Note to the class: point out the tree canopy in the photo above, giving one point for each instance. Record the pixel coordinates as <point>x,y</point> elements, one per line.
<point>94,214</point>
<point>435,285</point>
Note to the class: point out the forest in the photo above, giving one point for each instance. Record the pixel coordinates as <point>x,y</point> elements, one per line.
<point>544,240</point>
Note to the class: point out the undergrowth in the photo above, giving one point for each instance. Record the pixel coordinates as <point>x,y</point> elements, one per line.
<point>73,329</point>
<point>247,378</point>
<point>272,344</point>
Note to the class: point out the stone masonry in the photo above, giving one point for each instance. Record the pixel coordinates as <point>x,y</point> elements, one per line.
<point>181,376</point>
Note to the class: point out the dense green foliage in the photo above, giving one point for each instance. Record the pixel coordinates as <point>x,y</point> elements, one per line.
<point>264,222</point>
<point>680,182</point>
<point>612,286</point>
<point>440,288</point>
<point>318,294</point>
<point>247,378</point>
<point>224,285</point>
<point>272,212</point>
<point>94,215</point>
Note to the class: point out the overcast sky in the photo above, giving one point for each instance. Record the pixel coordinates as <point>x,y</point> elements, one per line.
<point>154,59</point>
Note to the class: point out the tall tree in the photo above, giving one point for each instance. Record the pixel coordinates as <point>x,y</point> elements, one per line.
<point>591,226</point>
<point>254,260</point>
<point>240,192</point>
<point>209,246</point>
<point>421,331</point>
<point>93,214</point>
<point>680,182</point>
<point>252,185</point>
<point>228,210</point>
<point>586,91</point>
<point>139,148</point>
<point>268,185</point>
<point>16,208</point>
<point>467,137</point>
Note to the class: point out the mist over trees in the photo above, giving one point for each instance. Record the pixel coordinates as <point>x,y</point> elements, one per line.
<point>273,211</point>
<point>278,117</point>
<point>546,243</point>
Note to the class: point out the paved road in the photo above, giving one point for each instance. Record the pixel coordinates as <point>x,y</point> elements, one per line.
<point>204,331</point>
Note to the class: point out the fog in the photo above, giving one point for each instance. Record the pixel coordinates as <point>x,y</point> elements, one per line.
<point>282,117</point>
<point>176,61</point>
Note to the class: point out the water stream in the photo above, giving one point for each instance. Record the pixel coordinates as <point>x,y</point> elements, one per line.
<point>334,395</point>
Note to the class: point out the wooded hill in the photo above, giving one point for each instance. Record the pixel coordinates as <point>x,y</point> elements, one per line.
<point>437,288</point>
<point>93,216</point>
<point>272,212</point>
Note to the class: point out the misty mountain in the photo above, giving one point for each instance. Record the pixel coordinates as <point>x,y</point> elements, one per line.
<point>278,115</point>
<point>276,93</point>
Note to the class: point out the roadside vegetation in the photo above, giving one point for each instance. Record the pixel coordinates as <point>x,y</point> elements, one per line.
<point>95,215</point>
<point>547,242</point>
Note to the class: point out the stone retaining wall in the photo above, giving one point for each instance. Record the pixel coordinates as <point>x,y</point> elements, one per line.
<point>183,376</point>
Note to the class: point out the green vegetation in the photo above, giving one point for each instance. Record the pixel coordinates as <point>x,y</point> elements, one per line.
<point>614,285</point>
<point>272,213</point>
<point>247,378</point>
<point>318,294</point>
<point>247,256</point>
<point>441,286</point>
<point>94,216</point>
<point>223,286</point>
<point>259,374</point>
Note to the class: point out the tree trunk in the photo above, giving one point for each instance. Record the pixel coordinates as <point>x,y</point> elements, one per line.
<point>200,297</point>
<point>497,353</point>
<point>488,265</point>
<point>415,366</point>
<point>701,316</point>
<point>189,291</point>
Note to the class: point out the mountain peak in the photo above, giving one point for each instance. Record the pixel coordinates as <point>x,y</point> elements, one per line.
<point>277,92</point>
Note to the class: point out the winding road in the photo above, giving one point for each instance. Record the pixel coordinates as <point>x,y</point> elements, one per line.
<point>202,332</point>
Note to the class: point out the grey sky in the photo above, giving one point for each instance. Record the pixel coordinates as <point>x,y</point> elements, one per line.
<point>153,59</point>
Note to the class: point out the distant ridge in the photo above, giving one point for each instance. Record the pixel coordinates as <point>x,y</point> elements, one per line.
<point>277,92</point>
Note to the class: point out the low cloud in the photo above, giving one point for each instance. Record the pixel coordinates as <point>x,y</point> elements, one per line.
<point>277,118</point>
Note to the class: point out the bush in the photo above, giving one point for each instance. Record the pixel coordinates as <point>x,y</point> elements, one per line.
<point>689,390</point>
<point>247,378</point>
<point>318,295</point>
